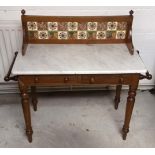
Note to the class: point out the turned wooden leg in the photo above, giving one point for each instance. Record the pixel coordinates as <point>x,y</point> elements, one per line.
<point>34,98</point>
<point>129,109</point>
<point>26,110</point>
<point>117,97</point>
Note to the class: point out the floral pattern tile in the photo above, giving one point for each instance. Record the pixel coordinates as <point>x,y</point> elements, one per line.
<point>102,26</point>
<point>42,26</point>
<point>122,26</point>
<point>120,34</point>
<point>82,26</point>
<point>62,26</point>
<point>77,30</point>
<point>112,26</point>
<point>101,35</point>
<point>82,35</point>
<point>92,26</point>
<point>33,34</point>
<point>62,35</point>
<point>42,34</point>
<point>111,34</point>
<point>72,35</point>
<point>32,26</point>
<point>52,35</point>
<point>72,26</point>
<point>91,35</point>
<point>52,26</point>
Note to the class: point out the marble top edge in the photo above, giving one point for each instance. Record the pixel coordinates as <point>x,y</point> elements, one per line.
<point>46,59</point>
<point>81,72</point>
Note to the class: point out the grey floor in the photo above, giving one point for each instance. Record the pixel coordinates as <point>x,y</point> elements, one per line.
<point>78,119</point>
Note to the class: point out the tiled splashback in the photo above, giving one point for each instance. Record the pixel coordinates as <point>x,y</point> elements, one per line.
<point>76,30</point>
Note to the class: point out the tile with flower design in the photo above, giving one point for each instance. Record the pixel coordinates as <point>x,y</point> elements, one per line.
<point>77,30</point>
<point>101,35</point>
<point>92,26</point>
<point>42,34</point>
<point>91,35</point>
<point>63,26</point>
<point>42,26</point>
<point>82,35</point>
<point>32,26</point>
<point>120,34</point>
<point>72,26</point>
<point>72,35</point>
<point>62,35</point>
<point>112,26</point>
<point>52,26</point>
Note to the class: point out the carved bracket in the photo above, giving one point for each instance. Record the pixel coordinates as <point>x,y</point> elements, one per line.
<point>147,76</point>
<point>8,77</point>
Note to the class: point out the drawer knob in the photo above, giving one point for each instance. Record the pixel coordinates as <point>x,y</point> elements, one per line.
<point>121,80</point>
<point>66,79</point>
<point>92,80</point>
<point>36,79</point>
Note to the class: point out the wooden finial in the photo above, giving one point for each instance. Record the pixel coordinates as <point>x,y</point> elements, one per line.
<point>23,12</point>
<point>131,12</point>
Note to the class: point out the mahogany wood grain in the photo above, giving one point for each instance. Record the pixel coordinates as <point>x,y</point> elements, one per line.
<point>39,18</point>
<point>34,97</point>
<point>118,94</point>
<point>26,109</point>
<point>27,81</point>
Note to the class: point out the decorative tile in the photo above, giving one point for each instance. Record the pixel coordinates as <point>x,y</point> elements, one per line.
<point>92,26</point>
<point>77,30</point>
<point>120,34</point>
<point>102,26</point>
<point>91,35</point>
<point>62,26</point>
<point>33,34</point>
<point>72,34</point>
<point>82,26</point>
<point>101,35</point>
<point>42,34</point>
<point>72,26</point>
<point>82,35</point>
<point>62,35</point>
<point>112,26</point>
<point>32,26</point>
<point>42,26</point>
<point>52,35</point>
<point>111,34</point>
<point>52,26</point>
<point>122,26</point>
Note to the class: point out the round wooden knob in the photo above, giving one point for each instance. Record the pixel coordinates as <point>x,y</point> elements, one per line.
<point>131,12</point>
<point>92,80</point>
<point>66,79</point>
<point>121,80</point>
<point>23,12</point>
<point>36,79</point>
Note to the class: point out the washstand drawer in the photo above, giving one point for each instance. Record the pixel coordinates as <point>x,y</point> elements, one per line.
<point>102,79</point>
<point>56,79</point>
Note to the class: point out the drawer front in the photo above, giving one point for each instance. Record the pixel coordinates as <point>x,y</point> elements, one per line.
<point>78,79</point>
<point>55,79</point>
<point>103,79</point>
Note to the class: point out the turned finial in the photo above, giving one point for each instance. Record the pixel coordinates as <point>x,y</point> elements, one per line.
<point>131,12</point>
<point>23,12</point>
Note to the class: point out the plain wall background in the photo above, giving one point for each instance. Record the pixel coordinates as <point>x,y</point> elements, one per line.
<point>143,29</point>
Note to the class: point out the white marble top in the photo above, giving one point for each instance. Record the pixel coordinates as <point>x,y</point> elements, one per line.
<point>77,59</point>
